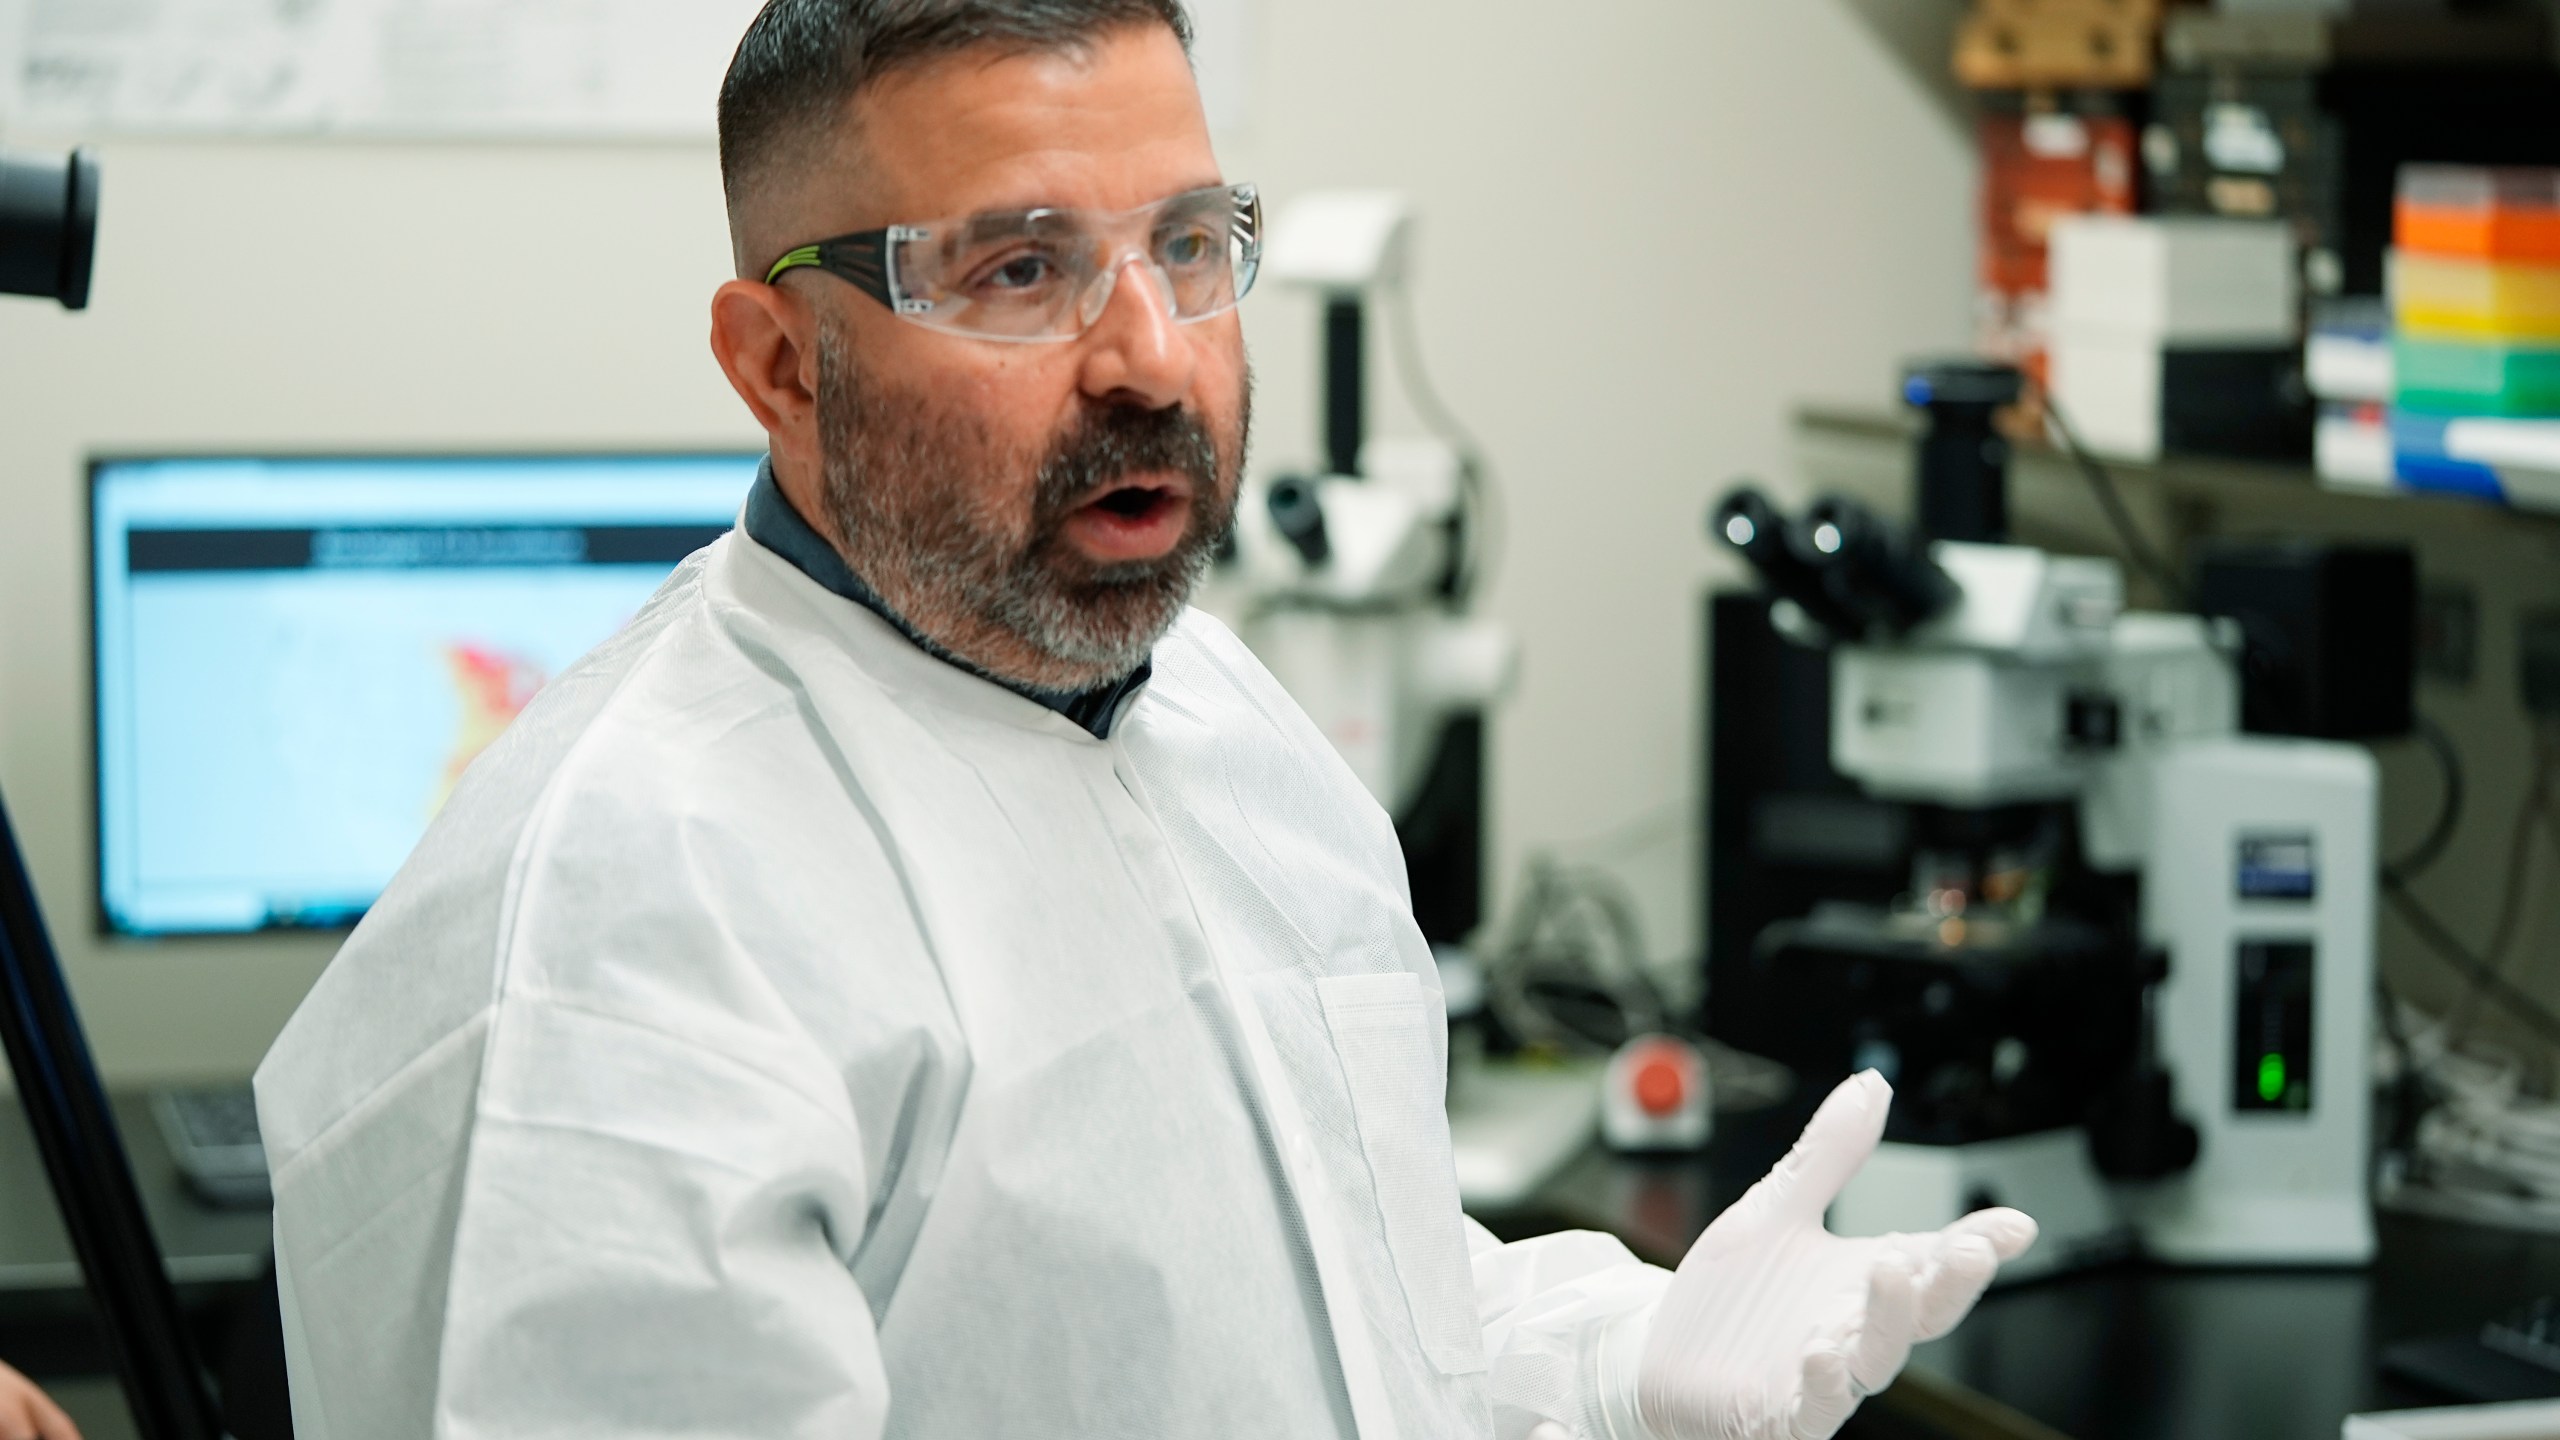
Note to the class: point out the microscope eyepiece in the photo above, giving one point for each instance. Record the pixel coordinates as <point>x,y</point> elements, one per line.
<point>1747,521</point>
<point>1297,512</point>
<point>1873,569</point>
<point>48,225</point>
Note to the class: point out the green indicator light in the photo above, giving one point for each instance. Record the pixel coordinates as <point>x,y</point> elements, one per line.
<point>2271,1079</point>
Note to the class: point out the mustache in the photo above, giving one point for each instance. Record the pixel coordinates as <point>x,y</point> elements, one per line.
<point>1109,444</point>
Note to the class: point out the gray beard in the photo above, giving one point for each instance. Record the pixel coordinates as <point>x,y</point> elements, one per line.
<point>918,497</point>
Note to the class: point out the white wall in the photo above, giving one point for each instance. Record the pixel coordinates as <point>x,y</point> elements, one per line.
<point>1651,227</point>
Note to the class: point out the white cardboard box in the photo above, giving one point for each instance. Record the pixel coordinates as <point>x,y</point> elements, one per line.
<point>2110,387</point>
<point>2176,280</point>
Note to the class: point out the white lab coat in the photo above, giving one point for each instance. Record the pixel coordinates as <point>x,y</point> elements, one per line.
<point>785,1033</point>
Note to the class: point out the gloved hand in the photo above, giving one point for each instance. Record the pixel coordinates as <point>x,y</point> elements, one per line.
<point>1774,1328</point>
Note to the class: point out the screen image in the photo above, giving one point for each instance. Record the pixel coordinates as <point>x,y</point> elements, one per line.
<point>298,658</point>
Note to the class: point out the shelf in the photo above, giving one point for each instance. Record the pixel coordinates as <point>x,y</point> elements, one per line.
<point>2204,480</point>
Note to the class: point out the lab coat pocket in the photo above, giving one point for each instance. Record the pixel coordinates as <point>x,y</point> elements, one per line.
<point>1382,1028</point>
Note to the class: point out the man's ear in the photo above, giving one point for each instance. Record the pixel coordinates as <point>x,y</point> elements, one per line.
<point>766,340</point>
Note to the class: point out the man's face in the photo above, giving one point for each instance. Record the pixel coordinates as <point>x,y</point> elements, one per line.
<point>1041,510</point>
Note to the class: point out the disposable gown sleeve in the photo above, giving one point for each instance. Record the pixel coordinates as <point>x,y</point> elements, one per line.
<point>1564,1316</point>
<point>629,1232</point>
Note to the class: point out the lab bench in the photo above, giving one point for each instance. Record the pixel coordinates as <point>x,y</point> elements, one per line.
<point>2128,1352</point>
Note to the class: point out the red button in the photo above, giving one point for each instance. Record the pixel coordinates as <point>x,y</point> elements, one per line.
<point>1659,1085</point>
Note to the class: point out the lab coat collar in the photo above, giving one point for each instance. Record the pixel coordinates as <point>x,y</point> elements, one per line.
<point>767,583</point>
<point>772,521</point>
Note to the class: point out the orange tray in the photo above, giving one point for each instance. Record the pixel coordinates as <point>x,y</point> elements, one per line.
<point>2527,236</point>
<point>2480,213</point>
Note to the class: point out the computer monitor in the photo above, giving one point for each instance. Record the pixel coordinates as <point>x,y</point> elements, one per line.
<point>296,658</point>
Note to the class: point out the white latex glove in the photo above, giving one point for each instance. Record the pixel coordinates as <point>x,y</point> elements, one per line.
<point>1774,1328</point>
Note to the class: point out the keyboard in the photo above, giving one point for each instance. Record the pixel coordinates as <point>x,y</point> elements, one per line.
<point>2531,1334</point>
<point>213,1136</point>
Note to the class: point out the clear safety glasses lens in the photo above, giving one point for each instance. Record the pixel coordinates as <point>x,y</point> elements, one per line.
<point>1049,274</point>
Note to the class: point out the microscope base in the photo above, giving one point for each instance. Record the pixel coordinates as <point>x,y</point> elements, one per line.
<point>2181,1226</point>
<point>2047,1174</point>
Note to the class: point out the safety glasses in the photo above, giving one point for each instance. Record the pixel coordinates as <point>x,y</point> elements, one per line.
<point>1048,274</point>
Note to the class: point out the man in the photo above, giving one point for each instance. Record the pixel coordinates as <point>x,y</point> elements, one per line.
<point>920,980</point>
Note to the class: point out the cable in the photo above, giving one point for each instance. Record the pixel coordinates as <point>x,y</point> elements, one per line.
<point>2110,500</point>
<point>2448,809</point>
<point>2450,948</point>
<point>1570,968</point>
<point>1662,821</point>
<point>1475,473</point>
<point>2412,1094</point>
<point>2510,900</point>
<point>1569,971</point>
<point>2485,1149</point>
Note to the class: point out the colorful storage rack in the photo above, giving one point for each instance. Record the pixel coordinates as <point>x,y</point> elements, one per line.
<point>2475,300</point>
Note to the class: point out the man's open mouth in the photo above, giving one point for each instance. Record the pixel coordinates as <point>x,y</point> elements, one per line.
<point>1138,503</point>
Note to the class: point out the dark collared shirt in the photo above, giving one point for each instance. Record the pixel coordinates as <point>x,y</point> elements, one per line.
<point>772,523</point>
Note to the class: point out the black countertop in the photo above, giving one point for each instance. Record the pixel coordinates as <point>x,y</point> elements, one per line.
<point>2130,1352</point>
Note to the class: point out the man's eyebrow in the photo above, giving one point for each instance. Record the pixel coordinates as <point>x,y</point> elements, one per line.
<point>978,221</point>
<point>1040,219</point>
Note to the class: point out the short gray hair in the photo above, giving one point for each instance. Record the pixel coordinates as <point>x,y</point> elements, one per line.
<point>803,61</point>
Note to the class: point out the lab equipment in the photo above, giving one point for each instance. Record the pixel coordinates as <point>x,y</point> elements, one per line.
<point>2251,142</point>
<point>1656,1096</point>
<point>48,225</point>
<point>2515,1356</point>
<point>2347,359</point>
<point>2530,1333</point>
<point>1358,577</point>
<point>1962,453</point>
<point>2179,334</point>
<point>2490,213</point>
<point>2476,360</point>
<point>1046,274</point>
<point>2131,970</point>
<point>2044,154</point>
<point>2460,1368</point>
<point>2346,363</point>
<point>297,658</point>
<point>1773,1328</point>
<point>2328,633</point>
<point>212,1134</point>
<point>2306,123</point>
<point>93,1186</point>
<point>2458,296</point>
<point>2071,45</point>
<point>2477,377</point>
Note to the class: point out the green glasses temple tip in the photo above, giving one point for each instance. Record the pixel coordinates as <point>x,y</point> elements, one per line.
<point>805,255</point>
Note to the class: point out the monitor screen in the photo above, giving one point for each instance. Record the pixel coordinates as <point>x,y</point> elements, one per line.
<point>297,658</point>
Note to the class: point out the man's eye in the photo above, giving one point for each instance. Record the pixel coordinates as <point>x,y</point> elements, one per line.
<point>1022,272</point>
<point>1188,247</point>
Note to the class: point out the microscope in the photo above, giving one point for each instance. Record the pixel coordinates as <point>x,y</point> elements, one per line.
<point>48,246</point>
<point>2129,987</point>
<point>1355,577</point>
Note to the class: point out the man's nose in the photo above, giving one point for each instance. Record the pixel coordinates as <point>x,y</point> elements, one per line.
<point>1136,352</point>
